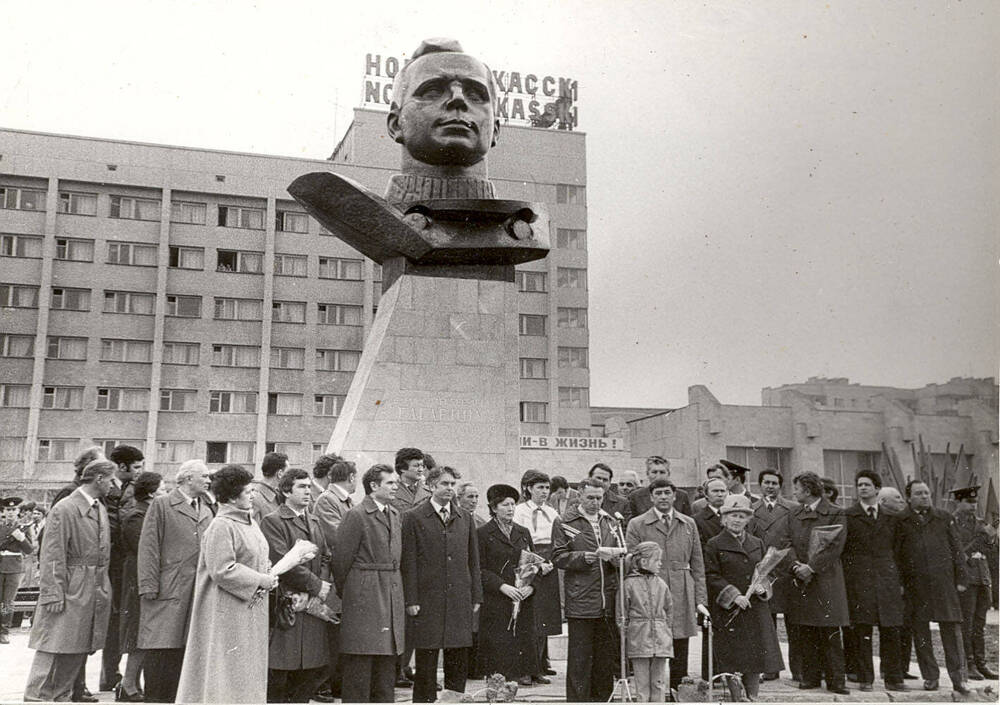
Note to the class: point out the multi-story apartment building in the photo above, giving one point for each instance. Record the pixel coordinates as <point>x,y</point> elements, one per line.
<point>179,300</point>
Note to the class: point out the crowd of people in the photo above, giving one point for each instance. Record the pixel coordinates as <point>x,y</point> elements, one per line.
<point>221,588</point>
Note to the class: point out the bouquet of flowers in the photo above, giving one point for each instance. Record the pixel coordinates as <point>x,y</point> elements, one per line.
<point>761,576</point>
<point>820,540</point>
<point>301,552</point>
<point>528,566</point>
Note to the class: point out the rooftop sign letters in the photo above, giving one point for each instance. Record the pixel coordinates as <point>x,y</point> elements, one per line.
<point>523,98</point>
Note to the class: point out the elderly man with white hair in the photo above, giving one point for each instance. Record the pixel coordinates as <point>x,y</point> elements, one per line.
<point>169,547</point>
<point>891,500</point>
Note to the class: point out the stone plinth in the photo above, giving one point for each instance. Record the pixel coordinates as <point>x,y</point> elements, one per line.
<point>438,372</point>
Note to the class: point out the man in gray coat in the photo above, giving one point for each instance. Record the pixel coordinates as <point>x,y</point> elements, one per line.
<point>366,565</point>
<point>682,569</point>
<point>74,599</point>
<point>167,565</point>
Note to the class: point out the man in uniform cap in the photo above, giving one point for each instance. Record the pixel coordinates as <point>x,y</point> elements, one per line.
<point>739,477</point>
<point>16,542</point>
<point>975,601</point>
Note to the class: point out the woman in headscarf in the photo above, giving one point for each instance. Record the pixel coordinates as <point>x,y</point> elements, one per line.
<point>509,649</point>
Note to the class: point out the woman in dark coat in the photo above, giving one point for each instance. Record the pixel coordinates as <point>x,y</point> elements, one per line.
<point>148,486</point>
<point>506,650</point>
<point>745,640</point>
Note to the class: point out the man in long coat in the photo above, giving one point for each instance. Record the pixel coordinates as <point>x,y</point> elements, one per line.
<point>366,564</point>
<point>769,523</point>
<point>167,567</point>
<point>682,568</point>
<point>873,585</point>
<point>297,656</point>
<point>74,598</point>
<point>442,586</point>
<point>932,565</point>
<point>975,542</point>
<point>817,603</point>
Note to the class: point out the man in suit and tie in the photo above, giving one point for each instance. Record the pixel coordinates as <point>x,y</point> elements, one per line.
<point>74,597</point>
<point>872,580</point>
<point>640,501</point>
<point>770,524</point>
<point>442,585</point>
<point>167,565</point>
<point>330,509</point>
<point>366,572</point>
<point>410,493</point>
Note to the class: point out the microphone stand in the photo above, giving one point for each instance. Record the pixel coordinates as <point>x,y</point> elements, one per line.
<point>622,689</point>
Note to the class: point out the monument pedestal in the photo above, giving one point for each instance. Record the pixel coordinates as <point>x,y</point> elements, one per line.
<point>439,372</point>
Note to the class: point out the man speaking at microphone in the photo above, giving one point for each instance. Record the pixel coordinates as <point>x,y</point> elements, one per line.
<point>584,544</point>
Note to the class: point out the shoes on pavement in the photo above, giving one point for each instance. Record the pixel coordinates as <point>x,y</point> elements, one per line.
<point>909,677</point>
<point>324,696</point>
<point>895,686</point>
<point>525,681</point>
<point>852,677</point>
<point>85,697</point>
<point>109,686</point>
<point>931,685</point>
<point>549,672</point>
<point>770,677</point>
<point>121,696</point>
<point>839,689</point>
<point>540,680</point>
<point>865,687</point>
<point>403,682</point>
<point>808,686</point>
<point>986,671</point>
<point>974,674</point>
<point>960,688</point>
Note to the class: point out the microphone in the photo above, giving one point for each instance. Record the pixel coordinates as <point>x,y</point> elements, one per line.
<point>619,518</point>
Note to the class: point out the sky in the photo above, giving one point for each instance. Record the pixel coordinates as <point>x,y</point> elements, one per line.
<point>775,189</point>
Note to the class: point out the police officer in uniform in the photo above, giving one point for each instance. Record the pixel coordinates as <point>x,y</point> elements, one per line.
<point>16,542</point>
<point>975,543</point>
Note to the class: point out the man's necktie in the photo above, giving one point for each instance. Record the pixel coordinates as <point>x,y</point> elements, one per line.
<point>871,512</point>
<point>194,504</point>
<point>770,508</point>
<point>444,514</point>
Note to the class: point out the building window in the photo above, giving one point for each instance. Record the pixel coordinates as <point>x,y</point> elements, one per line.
<point>74,250</point>
<point>531,324</point>
<point>62,397</point>
<point>114,350</point>
<point>288,311</point>
<point>338,360</point>
<point>533,282</point>
<point>108,444</point>
<point>21,246</point>
<point>186,257</point>
<point>288,358</point>
<point>186,212</point>
<point>376,272</point>
<point>119,399</point>
<point>571,194</point>
<point>236,355</point>
<point>291,265</point>
<point>572,317</point>
<point>571,278</point>
<point>291,222</point>
<point>534,412</point>
<point>340,268</point>
<point>134,208</point>
<point>132,253</point>
<point>779,459</point>
<point>18,296</point>
<point>230,452</point>
<point>281,404</point>
<point>318,449</point>
<point>292,450</point>
<point>12,345</point>
<point>57,448</point>
<point>533,368</point>
<point>70,299</point>
<point>240,217</point>
<point>66,348</point>
<point>24,199</point>
<point>184,306</point>
<point>570,239</point>
<point>238,309</point>
<point>339,315</point>
<point>243,262</point>
<point>573,358</point>
<point>175,353</point>
<point>174,451</point>
<point>328,404</point>
<point>15,396</point>
<point>178,399</point>
<point>575,432</point>
<point>128,302</point>
<point>78,203</point>
<point>842,466</point>
<point>574,397</point>
<point>232,402</point>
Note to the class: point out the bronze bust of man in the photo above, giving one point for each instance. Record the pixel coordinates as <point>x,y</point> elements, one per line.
<point>440,215</point>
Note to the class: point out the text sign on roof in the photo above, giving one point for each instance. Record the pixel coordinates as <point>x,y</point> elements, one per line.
<point>572,443</point>
<point>523,98</point>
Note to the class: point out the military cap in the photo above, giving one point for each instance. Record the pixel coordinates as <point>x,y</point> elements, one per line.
<point>734,469</point>
<point>9,502</point>
<point>964,493</point>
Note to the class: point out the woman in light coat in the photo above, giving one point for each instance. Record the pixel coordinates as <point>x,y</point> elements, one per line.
<point>226,656</point>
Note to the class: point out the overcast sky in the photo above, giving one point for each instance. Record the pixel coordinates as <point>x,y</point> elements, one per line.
<point>776,189</point>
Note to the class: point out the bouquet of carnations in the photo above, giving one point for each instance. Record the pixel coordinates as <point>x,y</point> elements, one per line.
<point>761,578</point>
<point>302,551</point>
<point>528,566</point>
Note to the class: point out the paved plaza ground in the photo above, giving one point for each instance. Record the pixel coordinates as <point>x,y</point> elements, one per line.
<point>15,660</point>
